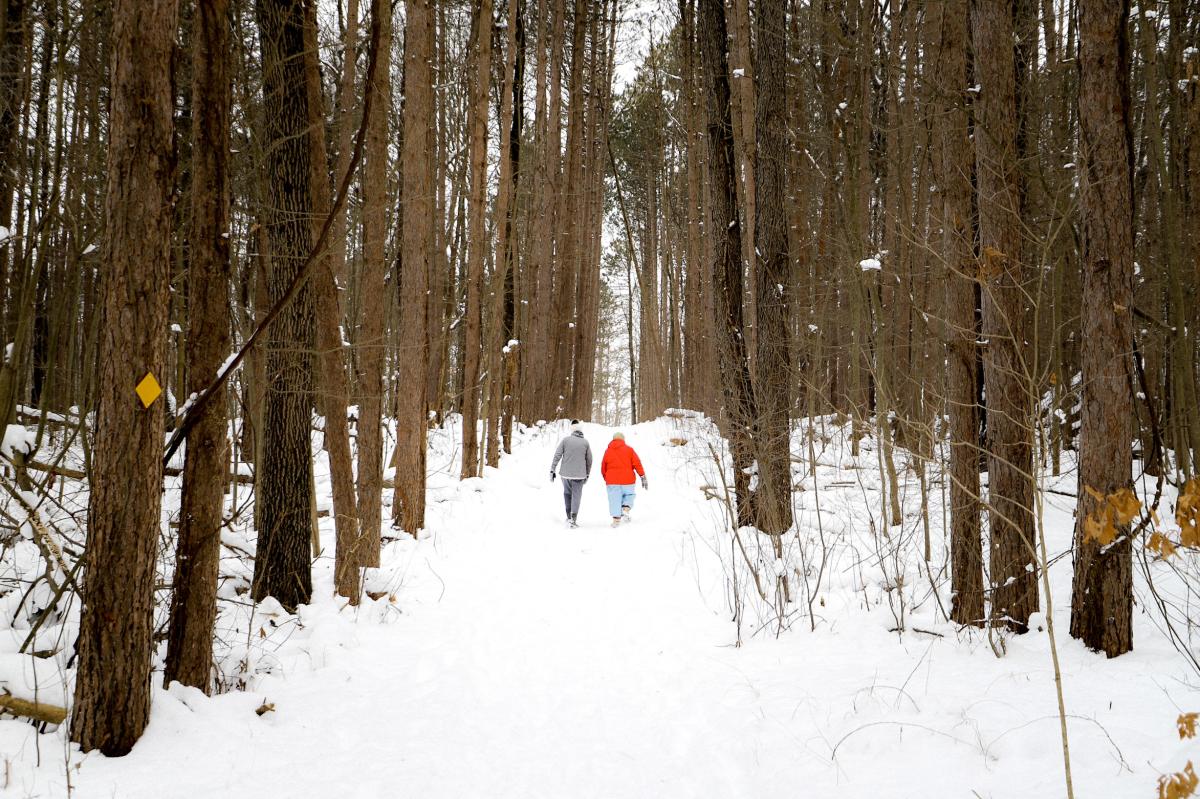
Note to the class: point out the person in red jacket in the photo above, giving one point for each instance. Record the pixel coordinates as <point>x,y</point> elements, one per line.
<point>618,468</point>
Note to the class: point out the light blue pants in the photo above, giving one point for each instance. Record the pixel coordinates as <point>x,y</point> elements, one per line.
<point>618,496</point>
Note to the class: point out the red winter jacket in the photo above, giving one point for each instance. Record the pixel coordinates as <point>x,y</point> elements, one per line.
<point>619,464</point>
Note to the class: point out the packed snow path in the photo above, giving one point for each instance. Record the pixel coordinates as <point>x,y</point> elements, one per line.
<point>518,658</point>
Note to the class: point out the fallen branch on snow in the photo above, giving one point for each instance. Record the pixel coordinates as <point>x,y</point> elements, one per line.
<point>39,711</point>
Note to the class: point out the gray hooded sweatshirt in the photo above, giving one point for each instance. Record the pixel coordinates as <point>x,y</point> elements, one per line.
<point>576,456</point>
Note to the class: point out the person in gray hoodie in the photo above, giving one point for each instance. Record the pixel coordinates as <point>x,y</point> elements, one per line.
<point>575,455</point>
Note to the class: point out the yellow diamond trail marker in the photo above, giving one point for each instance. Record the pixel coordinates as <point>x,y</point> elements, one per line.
<point>148,390</point>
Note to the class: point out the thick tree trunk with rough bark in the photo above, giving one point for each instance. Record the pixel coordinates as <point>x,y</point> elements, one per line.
<point>726,230</point>
<point>408,503</point>
<point>1102,597</point>
<point>1007,372</point>
<point>194,600</point>
<point>282,567</point>
<point>772,434</point>
<point>953,162</point>
<point>116,635</point>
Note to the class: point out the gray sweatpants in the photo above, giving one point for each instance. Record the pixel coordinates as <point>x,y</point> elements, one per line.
<point>572,493</point>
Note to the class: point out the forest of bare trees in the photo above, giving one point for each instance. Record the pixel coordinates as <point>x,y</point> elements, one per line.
<point>970,230</point>
<point>943,202</point>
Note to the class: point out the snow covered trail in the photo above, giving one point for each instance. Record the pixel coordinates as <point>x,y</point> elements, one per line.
<point>528,660</point>
<point>518,658</point>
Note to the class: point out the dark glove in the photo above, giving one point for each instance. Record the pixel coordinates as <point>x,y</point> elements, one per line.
<point>553,477</point>
<point>644,486</point>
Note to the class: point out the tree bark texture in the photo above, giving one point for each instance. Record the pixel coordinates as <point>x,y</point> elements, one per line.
<point>282,566</point>
<point>772,436</point>
<point>727,257</point>
<point>334,395</point>
<point>115,644</point>
<point>194,599</point>
<point>477,239</point>
<point>408,503</point>
<point>12,47</point>
<point>373,291</point>
<point>569,229</point>
<point>603,27</point>
<point>1007,374</point>
<point>344,119</point>
<point>499,353</point>
<point>1102,595</point>
<point>953,169</point>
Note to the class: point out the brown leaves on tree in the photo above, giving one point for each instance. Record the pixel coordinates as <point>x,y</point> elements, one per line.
<point>1164,546</point>
<point>1187,516</point>
<point>1116,510</point>
<point>1187,513</point>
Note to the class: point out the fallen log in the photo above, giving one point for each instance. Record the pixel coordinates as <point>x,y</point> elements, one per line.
<point>39,711</point>
<point>76,474</point>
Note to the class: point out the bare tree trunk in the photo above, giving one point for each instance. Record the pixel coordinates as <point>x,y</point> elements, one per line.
<point>588,296</point>
<point>1010,436</point>
<point>697,322</point>
<point>1102,596</point>
<point>194,601</point>
<point>373,292</point>
<point>344,125</point>
<point>499,352</point>
<point>477,239</point>
<point>115,644</point>
<point>772,436</point>
<point>568,246</point>
<point>537,353</point>
<point>441,389</point>
<point>652,389</point>
<point>282,568</point>
<point>331,351</point>
<point>512,358</point>
<point>408,503</point>
<point>740,408</point>
<point>743,107</point>
<point>502,358</point>
<point>953,165</point>
<point>12,67</point>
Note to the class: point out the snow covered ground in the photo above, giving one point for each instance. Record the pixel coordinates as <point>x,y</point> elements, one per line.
<point>508,656</point>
